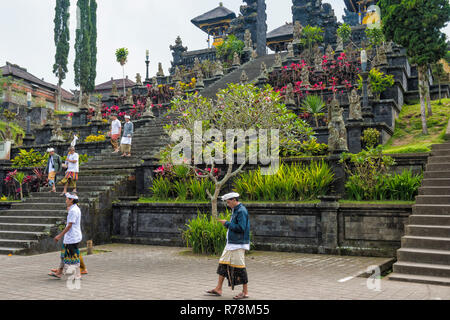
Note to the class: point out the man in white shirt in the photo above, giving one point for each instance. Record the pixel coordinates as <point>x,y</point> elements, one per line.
<point>70,254</point>
<point>71,176</point>
<point>116,130</point>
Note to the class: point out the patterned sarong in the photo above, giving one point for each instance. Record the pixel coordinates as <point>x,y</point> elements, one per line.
<point>232,267</point>
<point>70,255</point>
<point>70,178</point>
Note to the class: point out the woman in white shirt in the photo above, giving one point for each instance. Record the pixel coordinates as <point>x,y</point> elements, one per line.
<point>71,177</point>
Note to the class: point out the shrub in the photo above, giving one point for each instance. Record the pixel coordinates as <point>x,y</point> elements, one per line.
<point>205,234</point>
<point>161,188</point>
<point>197,188</point>
<point>291,183</point>
<point>94,138</point>
<point>231,45</point>
<point>378,82</point>
<point>30,158</point>
<point>306,148</point>
<point>371,138</point>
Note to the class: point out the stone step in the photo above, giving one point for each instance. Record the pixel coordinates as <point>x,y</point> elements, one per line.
<point>437,182</point>
<point>441,146</point>
<point>436,243</point>
<point>25,227</point>
<point>419,255</point>
<point>91,183</point>
<point>30,219</point>
<point>433,199</point>
<point>110,166</point>
<point>33,211</point>
<point>108,161</point>
<point>80,188</point>
<point>6,251</point>
<point>51,195</point>
<point>420,279</point>
<point>436,174</point>
<point>20,235</point>
<point>422,269</point>
<point>16,243</point>
<point>431,209</point>
<point>438,167</point>
<point>429,191</point>
<point>427,220</point>
<point>441,152</point>
<point>427,231</point>
<point>439,159</point>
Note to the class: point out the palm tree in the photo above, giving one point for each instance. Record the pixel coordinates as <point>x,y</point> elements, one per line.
<point>121,57</point>
<point>314,105</point>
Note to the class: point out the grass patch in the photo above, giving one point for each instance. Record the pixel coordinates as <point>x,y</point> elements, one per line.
<point>150,200</point>
<point>376,202</point>
<point>408,137</point>
<point>58,113</point>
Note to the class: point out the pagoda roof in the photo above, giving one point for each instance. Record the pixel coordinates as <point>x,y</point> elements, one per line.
<point>119,83</point>
<point>214,16</point>
<point>285,31</point>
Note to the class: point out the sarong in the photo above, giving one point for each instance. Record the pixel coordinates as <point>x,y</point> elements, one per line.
<point>70,256</point>
<point>51,178</point>
<point>232,267</point>
<point>70,178</point>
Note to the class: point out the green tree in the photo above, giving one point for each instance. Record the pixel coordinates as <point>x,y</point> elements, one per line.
<point>416,25</point>
<point>314,105</point>
<point>439,74</point>
<point>375,36</point>
<point>61,37</point>
<point>121,57</point>
<point>82,64</point>
<point>311,35</point>
<point>93,44</point>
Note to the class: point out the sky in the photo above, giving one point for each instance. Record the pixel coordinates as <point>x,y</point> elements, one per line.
<point>135,24</point>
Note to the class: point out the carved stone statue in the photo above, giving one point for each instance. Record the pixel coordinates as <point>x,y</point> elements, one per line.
<point>297,31</point>
<point>57,135</point>
<point>329,52</point>
<point>381,56</point>
<point>154,82</point>
<point>138,79</point>
<point>389,48</point>
<point>248,40</point>
<point>244,77</point>
<point>197,65</point>
<point>289,98</point>
<point>254,54</point>
<point>114,92</point>
<point>337,133</point>
<point>290,48</point>
<point>219,69</point>
<point>264,74</point>
<point>148,108</point>
<point>318,61</point>
<point>85,101</point>
<point>160,70</point>
<point>129,98</point>
<point>278,63</point>
<point>177,75</point>
<point>304,74</point>
<point>340,44</point>
<point>200,83</point>
<point>355,106</point>
<point>236,60</point>
<point>178,92</point>
<point>50,117</point>
<point>98,111</point>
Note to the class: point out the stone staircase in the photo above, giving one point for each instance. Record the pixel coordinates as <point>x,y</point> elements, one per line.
<point>29,227</point>
<point>425,253</point>
<point>251,68</point>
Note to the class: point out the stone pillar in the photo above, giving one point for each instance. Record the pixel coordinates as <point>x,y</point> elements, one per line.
<point>328,226</point>
<point>144,176</point>
<point>354,134</point>
<point>261,29</point>
<point>338,186</point>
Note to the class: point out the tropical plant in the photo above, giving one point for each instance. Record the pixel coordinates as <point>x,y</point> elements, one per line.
<point>344,32</point>
<point>311,35</point>
<point>375,36</point>
<point>30,158</point>
<point>205,235</point>
<point>95,138</point>
<point>229,47</point>
<point>20,177</point>
<point>121,57</point>
<point>161,188</point>
<point>314,105</point>
<point>378,82</point>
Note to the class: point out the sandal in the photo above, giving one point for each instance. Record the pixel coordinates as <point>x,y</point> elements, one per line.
<point>240,296</point>
<point>213,292</point>
<point>52,274</point>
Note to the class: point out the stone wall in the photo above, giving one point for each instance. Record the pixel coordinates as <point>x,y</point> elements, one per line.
<point>330,228</point>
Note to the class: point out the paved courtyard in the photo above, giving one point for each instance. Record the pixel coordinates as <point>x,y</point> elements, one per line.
<point>152,272</point>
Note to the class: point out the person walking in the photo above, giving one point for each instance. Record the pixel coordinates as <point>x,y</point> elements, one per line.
<point>71,176</point>
<point>232,262</point>
<point>70,253</point>
<point>125,143</point>
<point>54,165</point>
<point>116,129</point>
